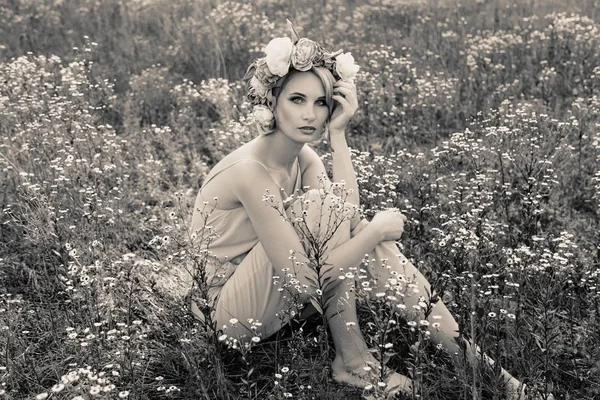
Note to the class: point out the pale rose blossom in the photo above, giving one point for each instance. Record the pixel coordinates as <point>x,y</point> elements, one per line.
<point>345,66</point>
<point>258,86</point>
<point>304,53</point>
<point>263,115</point>
<point>278,54</point>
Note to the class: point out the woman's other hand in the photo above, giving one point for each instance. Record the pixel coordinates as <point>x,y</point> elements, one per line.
<point>345,94</point>
<point>389,223</point>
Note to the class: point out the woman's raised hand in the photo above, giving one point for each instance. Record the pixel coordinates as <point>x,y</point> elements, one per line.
<point>389,223</point>
<point>344,93</point>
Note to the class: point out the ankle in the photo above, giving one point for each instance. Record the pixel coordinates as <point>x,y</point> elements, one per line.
<point>351,362</point>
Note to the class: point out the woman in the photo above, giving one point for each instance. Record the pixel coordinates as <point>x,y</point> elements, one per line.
<point>301,91</point>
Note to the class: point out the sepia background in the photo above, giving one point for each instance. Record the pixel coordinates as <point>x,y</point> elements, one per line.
<point>479,119</point>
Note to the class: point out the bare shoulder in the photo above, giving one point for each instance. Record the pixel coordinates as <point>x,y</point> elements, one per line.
<point>308,157</point>
<point>229,175</point>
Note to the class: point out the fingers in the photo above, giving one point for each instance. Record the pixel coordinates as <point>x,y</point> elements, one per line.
<point>342,100</point>
<point>348,93</point>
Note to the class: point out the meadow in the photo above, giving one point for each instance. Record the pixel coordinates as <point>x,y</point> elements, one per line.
<point>480,120</point>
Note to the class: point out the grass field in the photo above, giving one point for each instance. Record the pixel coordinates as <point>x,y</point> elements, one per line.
<point>480,120</point>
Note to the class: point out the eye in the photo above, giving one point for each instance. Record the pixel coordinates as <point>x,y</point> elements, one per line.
<point>297,100</point>
<point>321,103</point>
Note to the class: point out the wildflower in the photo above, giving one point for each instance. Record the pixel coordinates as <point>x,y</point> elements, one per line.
<point>256,339</point>
<point>94,390</point>
<point>285,370</point>
<point>123,394</point>
<point>278,376</point>
<point>109,388</point>
<point>41,396</point>
<point>492,315</point>
<point>233,321</point>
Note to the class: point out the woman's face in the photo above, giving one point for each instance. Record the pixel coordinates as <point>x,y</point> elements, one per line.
<point>301,111</point>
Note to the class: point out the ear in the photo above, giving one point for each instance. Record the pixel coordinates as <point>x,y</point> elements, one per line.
<point>295,36</point>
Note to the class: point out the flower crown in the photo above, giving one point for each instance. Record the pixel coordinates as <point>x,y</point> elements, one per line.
<point>283,53</point>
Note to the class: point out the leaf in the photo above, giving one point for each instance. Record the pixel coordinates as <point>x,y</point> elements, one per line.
<point>316,305</point>
<point>311,281</point>
<point>295,36</point>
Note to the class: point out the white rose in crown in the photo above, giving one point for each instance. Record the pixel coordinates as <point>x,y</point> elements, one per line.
<point>258,86</point>
<point>279,52</point>
<point>263,115</point>
<point>345,67</point>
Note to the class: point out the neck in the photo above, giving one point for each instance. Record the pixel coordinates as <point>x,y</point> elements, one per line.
<point>278,151</point>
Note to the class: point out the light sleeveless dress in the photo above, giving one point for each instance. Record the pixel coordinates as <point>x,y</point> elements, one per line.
<point>236,238</point>
<point>241,277</point>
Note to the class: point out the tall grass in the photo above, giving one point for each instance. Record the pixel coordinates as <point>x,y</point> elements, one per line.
<point>479,120</point>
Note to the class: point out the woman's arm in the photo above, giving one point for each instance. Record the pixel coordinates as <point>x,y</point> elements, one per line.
<point>345,96</point>
<point>276,234</point>
<point>342,165</point>
<point>313,172</point>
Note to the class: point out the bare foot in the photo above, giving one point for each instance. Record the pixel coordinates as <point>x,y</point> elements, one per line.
<point>363,374</point>
<point>515,389</point>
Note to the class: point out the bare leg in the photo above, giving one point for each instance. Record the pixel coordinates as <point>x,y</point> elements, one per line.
<point>446,334</point>
<point>353,361</point>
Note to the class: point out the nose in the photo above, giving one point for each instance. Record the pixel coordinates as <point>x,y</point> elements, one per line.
<point>308,114</point>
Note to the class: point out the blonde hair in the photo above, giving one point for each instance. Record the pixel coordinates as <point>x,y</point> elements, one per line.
<point>327,80</point>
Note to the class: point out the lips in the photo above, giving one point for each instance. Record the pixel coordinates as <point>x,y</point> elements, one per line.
<point>308,129</point>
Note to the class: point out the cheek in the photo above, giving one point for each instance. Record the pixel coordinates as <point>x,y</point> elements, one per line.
<point>284,113</point>
<point>323,113</point>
